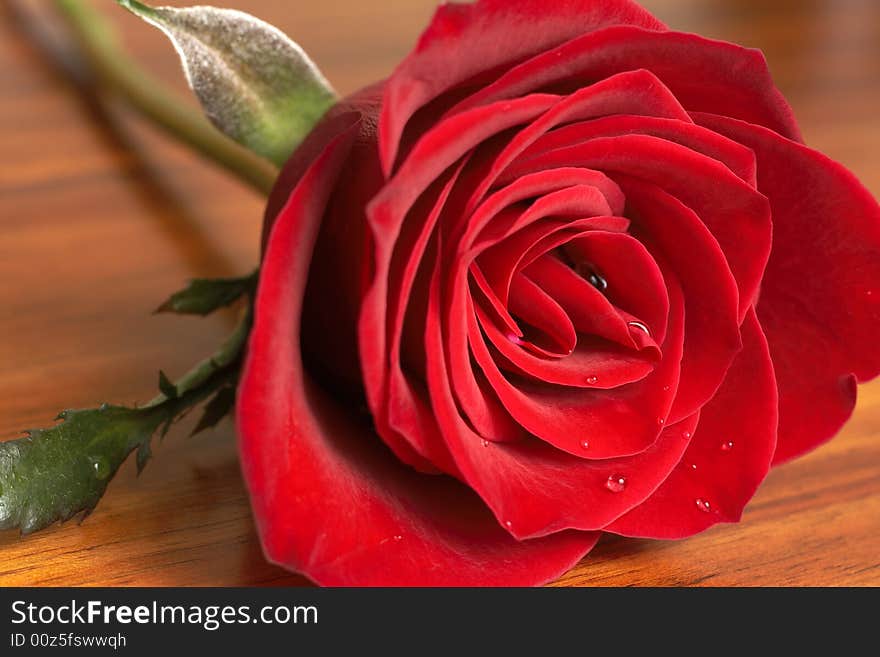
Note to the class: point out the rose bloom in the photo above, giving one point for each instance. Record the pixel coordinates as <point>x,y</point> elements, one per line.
<point>564,272</point>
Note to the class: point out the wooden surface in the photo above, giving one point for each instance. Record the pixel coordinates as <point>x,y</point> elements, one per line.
<point>100,218</point>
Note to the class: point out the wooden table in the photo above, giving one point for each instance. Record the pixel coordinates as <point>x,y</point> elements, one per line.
<point>100,218</point>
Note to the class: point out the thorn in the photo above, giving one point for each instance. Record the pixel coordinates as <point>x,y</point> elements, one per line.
<point>166,387</point>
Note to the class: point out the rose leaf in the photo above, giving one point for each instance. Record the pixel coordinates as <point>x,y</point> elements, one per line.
<point>205,295</point>
<point>53,474</point>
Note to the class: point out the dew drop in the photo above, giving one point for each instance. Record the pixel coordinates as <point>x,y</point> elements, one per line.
<point>661,421</point>
<point>101,467</point>
<point>592,380</point>
<point>398,537</point>
<point>598,282</point>
<point>485,443</point>
<point>508,524</point>
<point>727,446</point>
<point>686,435</point>
<point>666,388</point>
<point>514,338</point>
<point>693,466</point>
<point>615,483</point>
<point>640,326</point>
<point>703,505</point>
<point>585,271</point>
<point>585,444</point>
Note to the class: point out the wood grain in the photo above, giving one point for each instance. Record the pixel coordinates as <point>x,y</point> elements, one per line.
<point>100,218</point>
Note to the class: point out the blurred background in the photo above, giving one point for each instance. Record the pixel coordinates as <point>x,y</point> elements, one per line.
<point>101,217</point>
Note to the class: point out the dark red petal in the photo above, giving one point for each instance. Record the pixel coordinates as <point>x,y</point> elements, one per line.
<point>465,40</point>
<point>590,310</point>
<point>737,215</point>
<point>435,152</point>
<point>618,422</point>
<point>618,366</point>
<point>704,75</point>
<point>736,157</point>
<point>536,185</point>
<point>635,282</point>
<point>820,299</point>
<point>403,416</point>
<point>533,306</point>
<point>732,448</point>
<point>628,93</point>
<point>711,298</point>
<point>512,238</point>
<point>329,500</point>
<point>535,489</point>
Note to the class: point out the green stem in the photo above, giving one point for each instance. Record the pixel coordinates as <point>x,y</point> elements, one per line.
<point>120,74</point>
<point>203,372</point>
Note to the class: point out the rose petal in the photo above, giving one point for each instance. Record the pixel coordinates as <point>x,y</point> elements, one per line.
<point>732,448</point>
<point>466,40</point>
<point>533,186</point>
<point>710,291</point>
<point>403,415</point>
<point>591,312</point>
<point>704,75</point>
<point>736,157</point>
<point>618,366</point>
<point>386,215</point>
<point>533,488</point>
<point>820,299</point>
<point>735,212</point>
<point>631,92</point>
<point>635,282</point>
<point>618,422</point>
<point>329,501</point>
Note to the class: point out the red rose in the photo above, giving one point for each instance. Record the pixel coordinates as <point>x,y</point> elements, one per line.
<point>523,292</point>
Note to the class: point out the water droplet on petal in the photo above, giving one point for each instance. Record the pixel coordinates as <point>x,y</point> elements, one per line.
<point>508,524</point>
<point>727,446</point>
<point>398,537</point>
<point>666,388</point>
<point>514,338</point>
<point>485,443</point>
<point>592,380</point>
<point>661,421</point>
<point>640,326</point>
<point>703,505</point>
<point>587,272</point>
<point>585,444</point>
<point>616,483</point>
<point>598,282</point>
<point>686,435</point>
<point>693,466</point>
<point>101,467</point>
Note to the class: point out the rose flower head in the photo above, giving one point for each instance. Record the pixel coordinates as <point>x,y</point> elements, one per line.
<point>566,271</point>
